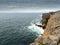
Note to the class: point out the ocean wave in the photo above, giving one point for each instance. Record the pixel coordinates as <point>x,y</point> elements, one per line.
<point>35,28</point>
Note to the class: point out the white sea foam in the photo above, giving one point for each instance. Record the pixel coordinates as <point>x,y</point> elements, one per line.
<point>37,29</point>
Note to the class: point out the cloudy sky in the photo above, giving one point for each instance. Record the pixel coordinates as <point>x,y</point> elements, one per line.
<point>29,4</point>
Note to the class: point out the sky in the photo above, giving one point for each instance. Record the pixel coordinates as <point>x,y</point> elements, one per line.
<point>29,4</point>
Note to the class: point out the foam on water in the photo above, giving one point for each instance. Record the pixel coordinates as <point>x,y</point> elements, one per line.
<point>37,29</point>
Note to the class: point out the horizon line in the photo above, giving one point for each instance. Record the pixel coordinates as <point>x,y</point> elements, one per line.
<point>28,11</point>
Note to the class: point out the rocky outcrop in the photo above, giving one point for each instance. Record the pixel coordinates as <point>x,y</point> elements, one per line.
<point>45,18</point>
<point>51,25</point>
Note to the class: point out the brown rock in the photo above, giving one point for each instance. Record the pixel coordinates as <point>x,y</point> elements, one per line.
<point>34,43</point>
<point>51,24</point>
<point>45,18</point>
<point>59,44</point>
<point>51,40</point>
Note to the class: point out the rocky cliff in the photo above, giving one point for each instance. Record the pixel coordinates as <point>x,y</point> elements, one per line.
<point>51,25</point>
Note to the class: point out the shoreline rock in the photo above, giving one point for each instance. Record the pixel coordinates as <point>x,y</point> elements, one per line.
<point>51,25</point>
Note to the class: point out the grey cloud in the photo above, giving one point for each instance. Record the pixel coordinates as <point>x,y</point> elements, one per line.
<point>31,3</point>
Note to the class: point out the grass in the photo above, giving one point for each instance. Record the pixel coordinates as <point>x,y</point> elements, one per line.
<point>41,44</point>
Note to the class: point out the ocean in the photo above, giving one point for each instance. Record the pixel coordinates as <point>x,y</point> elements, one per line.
<point>13,31</point>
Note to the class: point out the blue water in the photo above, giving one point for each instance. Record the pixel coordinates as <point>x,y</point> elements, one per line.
<point>12,31</point>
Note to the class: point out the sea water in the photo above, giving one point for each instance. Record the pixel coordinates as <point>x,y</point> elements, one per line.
<point>12,31</point>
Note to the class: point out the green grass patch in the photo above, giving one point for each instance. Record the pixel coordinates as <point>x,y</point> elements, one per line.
<point>41,44</point>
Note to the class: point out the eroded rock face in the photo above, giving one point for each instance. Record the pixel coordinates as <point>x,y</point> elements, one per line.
<point>45,18</point>
<point>51,36</point>
<point>53,25</point>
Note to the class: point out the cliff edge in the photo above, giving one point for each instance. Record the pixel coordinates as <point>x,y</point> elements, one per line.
<point>51,25</point>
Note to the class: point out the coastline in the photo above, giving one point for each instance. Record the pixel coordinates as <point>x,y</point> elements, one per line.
<point>51,26</point>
